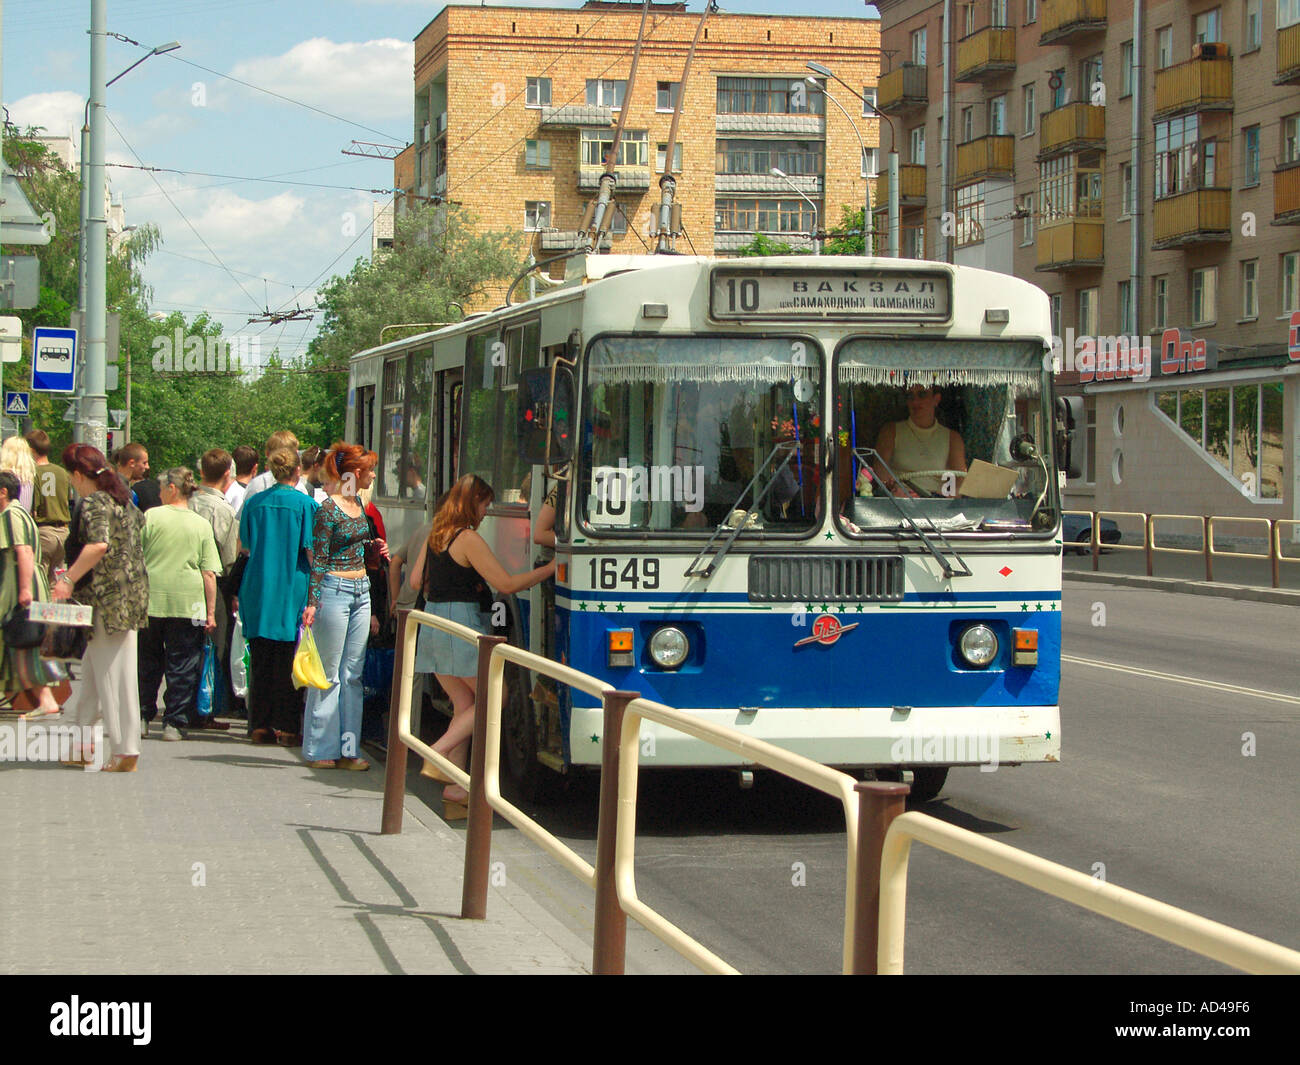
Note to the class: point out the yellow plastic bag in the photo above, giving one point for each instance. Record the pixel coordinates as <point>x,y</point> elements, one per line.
<point>308,670</point>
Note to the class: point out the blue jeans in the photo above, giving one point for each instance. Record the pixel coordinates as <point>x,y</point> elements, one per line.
<point>341,629</point>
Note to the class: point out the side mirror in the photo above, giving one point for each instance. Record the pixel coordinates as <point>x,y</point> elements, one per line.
<point>1070,423</point>
<point>544,415</point>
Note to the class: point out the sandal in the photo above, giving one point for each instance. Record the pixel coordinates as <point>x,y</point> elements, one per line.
<point>38,713</point>
<point>357,765</point>
<point>124,764</point>
<point>329,763</point>
<point>434,773</point>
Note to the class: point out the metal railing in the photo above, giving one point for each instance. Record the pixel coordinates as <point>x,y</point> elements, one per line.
<point>1191,931</point>
<point>1272,537</point>
<point>878,833</point>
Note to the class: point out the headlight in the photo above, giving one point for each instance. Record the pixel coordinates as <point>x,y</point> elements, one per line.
<point>979,646</point>
<point>669,647</point>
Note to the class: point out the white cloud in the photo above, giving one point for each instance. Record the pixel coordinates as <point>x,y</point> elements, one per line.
<point>359,80</point>
<point>60,113</point>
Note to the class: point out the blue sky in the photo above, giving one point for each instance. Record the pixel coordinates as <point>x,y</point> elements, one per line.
<point>277,241</point>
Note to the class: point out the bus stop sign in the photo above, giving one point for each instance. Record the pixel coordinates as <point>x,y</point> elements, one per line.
<point>54,360</point>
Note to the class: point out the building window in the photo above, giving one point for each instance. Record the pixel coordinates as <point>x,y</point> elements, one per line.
<point>1250,288</point>
<point>918,46</point>
<point>758,157</point>
<point>1060,91</point>
<point>1183,162</point>
<point>1288,13</point>
<point>763,216</point>
<point>968,11</point>
<point>1126,323</point>
<point>537,215</point>
<point>1160,299</point>
<point>1090,80</point>
<point>1240,427</point>
<point>632,148</point>
<point>967,125</point>
<point>869,102</point>
<point>1090,441</point>
<point>1290,289</point>
<point>768,96</point>
<point>1031,12</point>
<point>1088,307</point>
<point>1253,30</point>
<point>1054,305</point>
<point>537,155</point>
<point>538,93</point>
<point>1069,186</point>
<point>1250,152</point>
<point>1127,203</point>
<point>1209,26</point>
<point>917,138</point>
<point>1290,142</point>
<point>1031,112</point>
<point>1126,69</point>
<point>606,92</point>
<point>1027,219</point>
<point>998,116</point>
<point>998,13</point>
<point>661,153</point>
<point>666,95</point>
<point>1205,285</point>
<point>617,220</point>
<point>914,242</point>
<point>970,214</point>
<point>870,165</point>
<point>1164,47</point>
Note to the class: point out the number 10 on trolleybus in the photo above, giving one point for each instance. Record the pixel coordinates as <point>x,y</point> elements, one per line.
<point>814,500</point>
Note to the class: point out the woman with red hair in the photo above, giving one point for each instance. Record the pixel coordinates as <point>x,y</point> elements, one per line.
<point>455,585</point>
<point>338,610</point>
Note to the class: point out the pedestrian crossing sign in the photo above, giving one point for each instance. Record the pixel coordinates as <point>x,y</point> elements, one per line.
<point>17,404</point>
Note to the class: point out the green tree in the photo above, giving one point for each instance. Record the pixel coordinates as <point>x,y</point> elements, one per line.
<point>762,244</point>
<point>847,240</point>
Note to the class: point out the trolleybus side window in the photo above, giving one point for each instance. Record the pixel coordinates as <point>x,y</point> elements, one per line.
<point>675,431</point>
<point>408,406</point>
<point>492,365</point>
<point>392,425</point>
<point>988,392</point>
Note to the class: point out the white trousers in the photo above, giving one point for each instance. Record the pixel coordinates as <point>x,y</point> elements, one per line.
<point>110,688</point>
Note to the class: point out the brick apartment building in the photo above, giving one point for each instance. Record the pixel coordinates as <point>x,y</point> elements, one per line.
<point>515,108</point>
<point>1188,220</point>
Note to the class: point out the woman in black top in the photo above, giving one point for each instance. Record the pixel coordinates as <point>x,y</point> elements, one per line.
<point>460,568</point>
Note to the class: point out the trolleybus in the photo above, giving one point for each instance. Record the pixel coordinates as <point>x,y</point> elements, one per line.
<point>731,537</point>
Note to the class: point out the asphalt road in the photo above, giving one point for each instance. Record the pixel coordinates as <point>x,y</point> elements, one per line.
<point>1159,693</point>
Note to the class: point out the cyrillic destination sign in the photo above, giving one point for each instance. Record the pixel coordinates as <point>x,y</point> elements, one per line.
<point>909,295</point>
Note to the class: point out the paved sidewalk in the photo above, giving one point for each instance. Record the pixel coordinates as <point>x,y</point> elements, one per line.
<point>1247,592</point>
<point>221,857</point>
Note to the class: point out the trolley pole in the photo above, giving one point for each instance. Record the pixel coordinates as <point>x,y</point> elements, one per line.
<point>92,414</point>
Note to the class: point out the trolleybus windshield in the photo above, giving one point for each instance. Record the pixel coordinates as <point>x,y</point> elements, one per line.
<point>987,392</point>
<point>675,428</point>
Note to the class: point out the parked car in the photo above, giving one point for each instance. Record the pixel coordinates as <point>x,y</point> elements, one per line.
<point>1077,529</point>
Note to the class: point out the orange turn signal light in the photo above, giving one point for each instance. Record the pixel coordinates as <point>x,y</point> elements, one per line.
<point>562,573</point>
<point>1026,639</point>
<point>620,640</point>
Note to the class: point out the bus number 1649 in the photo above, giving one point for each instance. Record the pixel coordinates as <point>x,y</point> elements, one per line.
<point>605,573</point>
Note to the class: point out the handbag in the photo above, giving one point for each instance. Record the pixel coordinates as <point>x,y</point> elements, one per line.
<point>20,631</point>
<point>308,670</point>
<point>65,641</point>
<point>207,681</point>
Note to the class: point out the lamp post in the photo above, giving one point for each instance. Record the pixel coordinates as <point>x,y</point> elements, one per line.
<point>92,408</point>
<point>778,172</point>
<point>826,72</point>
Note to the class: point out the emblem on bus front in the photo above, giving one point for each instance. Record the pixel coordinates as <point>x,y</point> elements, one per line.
<point>826,630</point>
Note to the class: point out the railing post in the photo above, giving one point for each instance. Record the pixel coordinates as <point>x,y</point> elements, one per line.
<point>878,804</point>
<point>395,761</point>
<point>478,833</point>
<point>609,939</point>
<point>1096,541</point>
<point>1207,535</point>
<point>1149,524</point>
<point>1274,550</point>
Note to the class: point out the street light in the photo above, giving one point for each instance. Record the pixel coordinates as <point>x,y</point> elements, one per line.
<point>867,222</point>
<point>817,244</point>
<point>826,72</point>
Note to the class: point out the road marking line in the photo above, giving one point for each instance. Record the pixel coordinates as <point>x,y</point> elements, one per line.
<point>1232,689</point>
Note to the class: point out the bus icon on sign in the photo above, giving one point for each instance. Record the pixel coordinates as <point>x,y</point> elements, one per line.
<point>54,360</point>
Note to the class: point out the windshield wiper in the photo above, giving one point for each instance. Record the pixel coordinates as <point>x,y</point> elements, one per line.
<point>866,454</point>
<point>691,571</point>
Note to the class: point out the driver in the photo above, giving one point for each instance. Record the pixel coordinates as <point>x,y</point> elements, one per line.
<point>920,442</point>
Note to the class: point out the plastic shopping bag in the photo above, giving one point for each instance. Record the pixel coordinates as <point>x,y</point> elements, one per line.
<point>308,670</point>
<point>207,681</point>
<point>238,661</point>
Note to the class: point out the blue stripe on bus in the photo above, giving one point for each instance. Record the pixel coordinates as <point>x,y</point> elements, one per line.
<point>743,597</point>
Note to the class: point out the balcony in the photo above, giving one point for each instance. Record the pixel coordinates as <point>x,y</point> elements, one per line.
<point>1072,245</point>
<point>567,240</point>
<point>986,54</point>
<point>576,116</point>
<point>1071,128</point>
<point>1288,55</point>
<point>1062,20</point>
<point>626,178</point>
<point>1202,216</point>
<point>1286,196</point>
<point>993,156</point>
<point>902,90</point>
<point>911,187</point>
<point>1200,84</point>
<point>911,240</point>
<point>765,184</point>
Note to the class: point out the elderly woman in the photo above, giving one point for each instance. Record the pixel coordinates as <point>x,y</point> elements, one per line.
<point>111,561</point>
<point>275,528</point>
<point>16,457</point>
<point>22,579</point>
<point>181,556</point>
